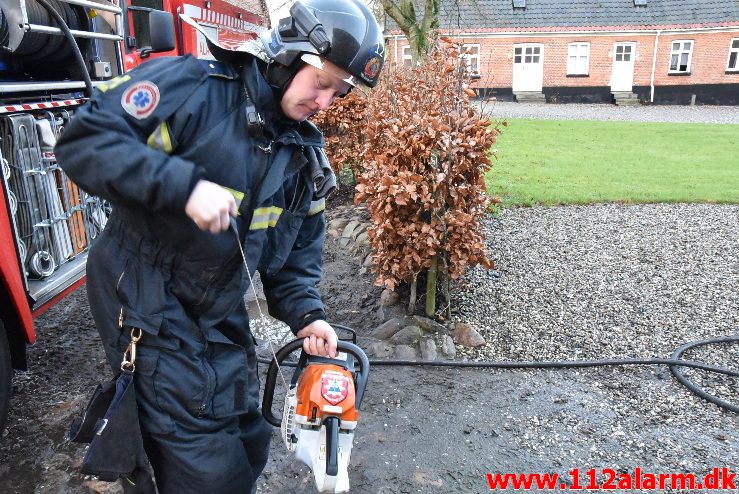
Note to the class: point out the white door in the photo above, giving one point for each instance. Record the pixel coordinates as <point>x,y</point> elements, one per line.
<point>528,67</point>
<point>622,74</point>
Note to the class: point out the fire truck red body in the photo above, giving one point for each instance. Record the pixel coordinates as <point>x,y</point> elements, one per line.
<point>46,222</point>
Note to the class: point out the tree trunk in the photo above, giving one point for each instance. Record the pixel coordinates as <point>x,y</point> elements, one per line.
<point>412,298</point>
<point>447,295</point>
<point>416,29</point>
<point>431,287</point>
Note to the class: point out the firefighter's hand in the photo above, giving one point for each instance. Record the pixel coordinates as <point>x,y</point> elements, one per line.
<point>320,339</point>
<point>209,206</point>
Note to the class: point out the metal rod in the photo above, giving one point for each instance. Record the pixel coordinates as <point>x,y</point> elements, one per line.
<point>94,5</point>
<point>38,28</point>
<point>20,87</point>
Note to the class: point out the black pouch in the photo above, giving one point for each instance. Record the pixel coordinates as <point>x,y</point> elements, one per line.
<point>110,423</point>
<point>82,429</point>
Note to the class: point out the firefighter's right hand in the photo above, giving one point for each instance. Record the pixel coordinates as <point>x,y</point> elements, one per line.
<point>210,206</point>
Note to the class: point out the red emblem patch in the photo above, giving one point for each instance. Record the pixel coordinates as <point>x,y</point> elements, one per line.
<point>334,387</point>
<point>372,68</point>
<point>141,99</point>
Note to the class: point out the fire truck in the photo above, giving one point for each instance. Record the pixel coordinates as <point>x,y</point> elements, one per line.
<point>52,54</point>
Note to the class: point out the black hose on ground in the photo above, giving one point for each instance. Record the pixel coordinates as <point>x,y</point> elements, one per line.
<point>692,386</point>
<point>674,363</point>
<point>70,38</point>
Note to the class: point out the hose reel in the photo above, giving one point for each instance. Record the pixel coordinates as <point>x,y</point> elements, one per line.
<point>18,39</point>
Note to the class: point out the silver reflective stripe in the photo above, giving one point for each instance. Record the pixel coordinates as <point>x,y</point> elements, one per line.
<point>317,206</point>
<point>265,217</point>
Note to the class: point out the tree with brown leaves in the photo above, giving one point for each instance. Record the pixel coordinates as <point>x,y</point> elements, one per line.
<point>424,151</point>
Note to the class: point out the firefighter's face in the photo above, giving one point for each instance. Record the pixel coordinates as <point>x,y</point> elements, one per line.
<point>311,91</point>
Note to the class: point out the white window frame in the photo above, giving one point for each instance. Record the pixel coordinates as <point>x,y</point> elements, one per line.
<point>680,52</point>
<point>528,53</point>
<point>471,54</point>
<point>406,58</point>
<point>733,51</point>
<point>582,51</point>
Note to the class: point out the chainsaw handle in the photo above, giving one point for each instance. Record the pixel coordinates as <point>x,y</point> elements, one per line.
<point>360,383</point>
<point>271,380</point>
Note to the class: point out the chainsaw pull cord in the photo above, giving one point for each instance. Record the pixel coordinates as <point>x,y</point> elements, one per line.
<point>235,229</point>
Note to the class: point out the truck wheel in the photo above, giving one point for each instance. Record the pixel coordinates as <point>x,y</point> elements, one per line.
<point>6,376</point>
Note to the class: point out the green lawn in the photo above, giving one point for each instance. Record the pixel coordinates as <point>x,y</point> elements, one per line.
<point>580,162</point>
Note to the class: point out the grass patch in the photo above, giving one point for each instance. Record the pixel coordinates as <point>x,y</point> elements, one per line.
<point>582,162</point>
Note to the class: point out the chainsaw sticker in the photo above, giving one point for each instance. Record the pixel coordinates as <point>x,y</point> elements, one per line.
<point>141,99</point>
<point>334,387</point>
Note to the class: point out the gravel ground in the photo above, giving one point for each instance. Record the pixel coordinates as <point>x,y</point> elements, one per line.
<point>654,113</point>
<point>607,280</point>
<point>610,281</point>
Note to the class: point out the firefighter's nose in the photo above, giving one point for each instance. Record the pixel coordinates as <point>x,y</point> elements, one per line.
<point>325,99</point>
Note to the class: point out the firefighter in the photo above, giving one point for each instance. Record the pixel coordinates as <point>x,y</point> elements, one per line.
<point>182,148</point>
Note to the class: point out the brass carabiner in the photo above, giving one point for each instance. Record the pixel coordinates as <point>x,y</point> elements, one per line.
<point>129,356</point>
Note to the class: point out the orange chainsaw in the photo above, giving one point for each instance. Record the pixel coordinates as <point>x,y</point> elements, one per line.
<point>321,410</point>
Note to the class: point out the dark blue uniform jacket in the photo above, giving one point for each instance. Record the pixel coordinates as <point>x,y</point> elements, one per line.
<point>143,142</point>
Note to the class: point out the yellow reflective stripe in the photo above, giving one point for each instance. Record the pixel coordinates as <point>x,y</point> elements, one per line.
<point>317,206</point>
<point>238,195</point>
<point>265,218</point>
<point>160,139</point>
<point>152,141</point>
<point>166,139</point>
<point>113,83</point>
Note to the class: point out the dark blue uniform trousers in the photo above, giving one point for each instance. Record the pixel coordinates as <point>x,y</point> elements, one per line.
<point>197,388</point>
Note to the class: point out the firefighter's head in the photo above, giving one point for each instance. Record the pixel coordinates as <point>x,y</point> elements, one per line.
<point>312,89</point>
<point>339,37</point>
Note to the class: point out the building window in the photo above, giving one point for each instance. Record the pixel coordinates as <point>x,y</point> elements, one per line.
<point>526,54</point>
<point>471,54</point>
<point>406,58</point>
<point>680,57</point>
<point>624,51</point>
<point>733,63</point>
<point>578,55</point>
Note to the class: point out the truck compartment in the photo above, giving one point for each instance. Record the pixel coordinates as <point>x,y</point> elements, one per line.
<point>54,220</point>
